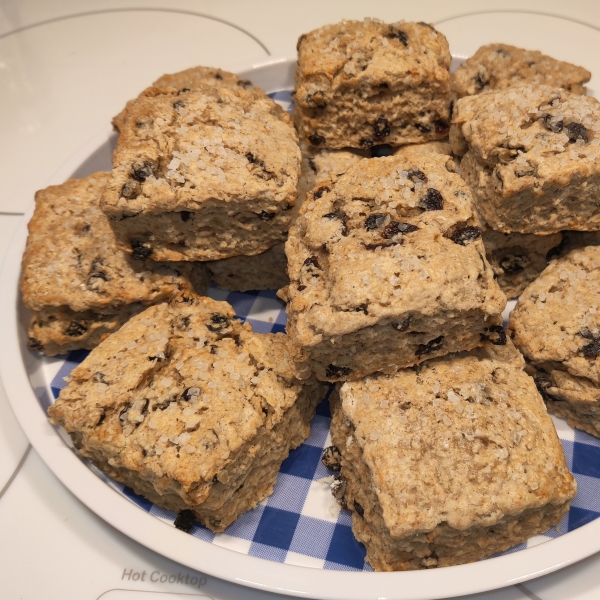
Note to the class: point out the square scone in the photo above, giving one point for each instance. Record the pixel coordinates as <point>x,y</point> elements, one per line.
<point>387,269</point>
<point>556,325</point>
<point>518,258</point>
<point>79,284</point>
<point>500,66</point>
<point>203,174</point>
<point>189,408</point>
<point>531,158</point>
<point>450,462</point>
<point>363,83</point>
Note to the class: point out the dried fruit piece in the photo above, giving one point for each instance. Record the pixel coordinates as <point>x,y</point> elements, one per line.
<point>496,334</point>
<point>315,139</point>
<point>465,235</point>
<point>76,328</point>
<point>140,250</point>
<point>375,221</point>
<point>394,228</point>
<point>185,520</point>
<point>141,170</point>
<point>431,346</point>
<point>332,458</point>
<point>432,200</point>
<point>333,371</point>
<point>219,322</point>
<point>576,131</point>
<point>381,128</point>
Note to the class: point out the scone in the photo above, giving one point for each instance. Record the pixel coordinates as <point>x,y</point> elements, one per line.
<point>517,258</point>
<point>203,174</point>
<point>500,66</point>
<point>450,462</point>
<point>531,158</point>
<point>556,325</point>
<point>387,269</point>
<point>363,83</point>
<point>189,408</point>
<point>187,80</point>
<point>75,279</point>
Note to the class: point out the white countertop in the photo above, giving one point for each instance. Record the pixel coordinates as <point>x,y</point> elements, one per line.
<point>66,68</point>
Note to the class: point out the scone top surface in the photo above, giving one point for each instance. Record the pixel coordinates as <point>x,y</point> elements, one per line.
<point>331,55</point>
<point>357,82</point>
<point>179,149</point>
<point>541,123</point>
<point>557,318</point>
<point>392,235</point>
<point>176,394</point>
<point>72,259</point>
<point>189,79</point>
<point>199,77</point>
<point>532,157</point>
<point>500,66</point>
<point>464,440</point>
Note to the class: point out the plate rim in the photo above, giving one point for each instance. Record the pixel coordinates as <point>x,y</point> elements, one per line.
<point>216,561</point>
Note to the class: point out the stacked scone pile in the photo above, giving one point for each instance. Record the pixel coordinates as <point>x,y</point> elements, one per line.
<point>410,201</point>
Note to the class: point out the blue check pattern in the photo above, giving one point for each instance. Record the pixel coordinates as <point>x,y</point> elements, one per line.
<point>297,524</point>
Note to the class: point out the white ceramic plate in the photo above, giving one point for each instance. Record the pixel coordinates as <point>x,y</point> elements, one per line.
<point>26,379</point>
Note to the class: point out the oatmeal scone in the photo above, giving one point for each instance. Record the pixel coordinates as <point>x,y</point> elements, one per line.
<point>531,158</point>
<point>189,408</point>
<point>517,258</point>
<point>500,66</point>
<point>387,269</point>
<point>75,279</point>
<point>362,83</point>
<point>203,174</point>
<point>449,463</point>
<point>556,325</point>
<point>189,79</point>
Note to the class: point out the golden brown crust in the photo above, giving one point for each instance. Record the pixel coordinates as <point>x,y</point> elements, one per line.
<point>384,261</point>
<point>451,462</point>
<point>184,404</point>
<point>500,66</point>
<point>204,174</point>
<point>360,83</point>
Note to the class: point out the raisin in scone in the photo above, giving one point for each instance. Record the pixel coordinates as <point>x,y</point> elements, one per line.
<point>387,269</point>
<point>363,83</point>
<point>75,279</point>
<point>531,158</point>
<point>448,463</point>
<point>517,258</point>
<point>203,174</point>
<point>189,79</point>
<point>500,66</point>
<point>556,325</point>
<point>189,408</point>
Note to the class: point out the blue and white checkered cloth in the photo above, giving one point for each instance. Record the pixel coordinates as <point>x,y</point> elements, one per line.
<point>299,523</point>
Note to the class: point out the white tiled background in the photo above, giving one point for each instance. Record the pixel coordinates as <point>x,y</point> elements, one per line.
<point>66,67</point>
